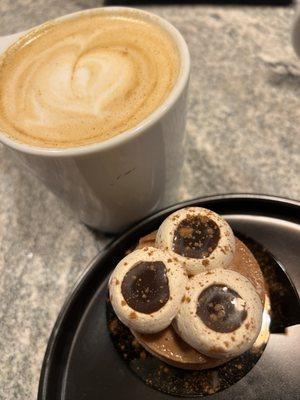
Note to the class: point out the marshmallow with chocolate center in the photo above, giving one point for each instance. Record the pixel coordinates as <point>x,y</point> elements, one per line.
<point>146,289</point>
<point>200,238</point>
<point>222,314</point>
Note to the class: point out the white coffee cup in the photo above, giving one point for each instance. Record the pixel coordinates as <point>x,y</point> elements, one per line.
<point>114,183</point>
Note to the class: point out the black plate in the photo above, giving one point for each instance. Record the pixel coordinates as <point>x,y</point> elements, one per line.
<point>81,362</point>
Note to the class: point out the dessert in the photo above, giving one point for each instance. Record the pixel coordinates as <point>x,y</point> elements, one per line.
<point>199,300</point>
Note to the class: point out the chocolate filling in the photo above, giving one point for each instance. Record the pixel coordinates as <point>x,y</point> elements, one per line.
<point>196,237</point>
<point>145,287</point>
<point>221,308</point>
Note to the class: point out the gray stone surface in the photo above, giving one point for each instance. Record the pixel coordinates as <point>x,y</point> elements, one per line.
<point>243,135</point>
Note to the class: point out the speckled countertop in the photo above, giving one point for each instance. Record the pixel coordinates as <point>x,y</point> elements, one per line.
<point>243,135</point>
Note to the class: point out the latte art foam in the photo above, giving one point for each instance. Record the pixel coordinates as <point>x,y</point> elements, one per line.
<point>85,79</point>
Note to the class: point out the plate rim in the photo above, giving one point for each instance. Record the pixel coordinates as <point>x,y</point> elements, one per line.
<point>71,295</point>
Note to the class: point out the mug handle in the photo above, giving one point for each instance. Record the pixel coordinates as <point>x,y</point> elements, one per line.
<point>296,30</point>
<point>6,41</point>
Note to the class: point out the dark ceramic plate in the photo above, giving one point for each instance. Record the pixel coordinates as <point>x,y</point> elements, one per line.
<point>81,361</point>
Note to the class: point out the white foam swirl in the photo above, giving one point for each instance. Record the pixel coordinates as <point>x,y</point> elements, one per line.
<point>84,80</point>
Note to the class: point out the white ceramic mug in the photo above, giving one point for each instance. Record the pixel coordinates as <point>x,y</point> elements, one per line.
<point>114,183</point>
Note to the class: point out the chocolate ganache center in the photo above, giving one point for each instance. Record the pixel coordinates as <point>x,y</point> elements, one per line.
<point>221,308</point>
<point>196,237</point>
<point>145,287</point>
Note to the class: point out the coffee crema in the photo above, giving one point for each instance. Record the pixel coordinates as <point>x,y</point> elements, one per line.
<point>85,79</point>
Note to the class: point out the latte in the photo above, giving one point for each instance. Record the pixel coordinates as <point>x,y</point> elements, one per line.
<point>85,79</point>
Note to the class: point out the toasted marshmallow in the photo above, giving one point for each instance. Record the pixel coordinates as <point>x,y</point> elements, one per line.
<point>201,239</point>
<point>146,289</point>
<point>222,314</point>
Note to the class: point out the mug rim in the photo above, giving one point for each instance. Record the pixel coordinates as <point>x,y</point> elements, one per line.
<point>128,134</point>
